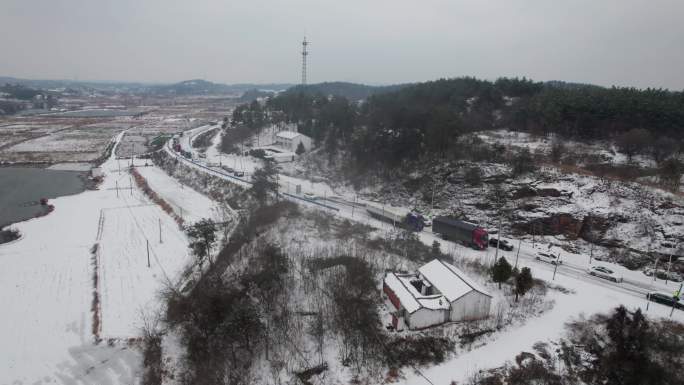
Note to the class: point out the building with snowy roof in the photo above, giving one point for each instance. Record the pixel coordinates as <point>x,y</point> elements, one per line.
<point>439,292</point>
<point>290,140</point>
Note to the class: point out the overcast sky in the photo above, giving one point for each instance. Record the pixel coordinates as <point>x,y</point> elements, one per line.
<point>606,42</point>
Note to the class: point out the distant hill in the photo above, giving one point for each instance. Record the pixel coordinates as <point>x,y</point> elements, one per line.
<point>203,87</point>
<point>50,84</point>
<point>351,91</point>
<point>187,87</point>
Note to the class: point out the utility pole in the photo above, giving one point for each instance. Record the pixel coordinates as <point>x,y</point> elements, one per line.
<point>591,251</point>
<point>160,232</point>
<point>498,240</point>
<point>518,253</point>
<point>669,264</point>
<point>130,182</point>
<point>117,188</point>
<point>555,267</point>
<point>432,204</point>
<point>148,252</point>
<point>675,298</point>
<point>354,205</point>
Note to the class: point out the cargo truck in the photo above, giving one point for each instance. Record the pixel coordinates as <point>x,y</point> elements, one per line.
<point>468,234</point>
<point>397,217</point>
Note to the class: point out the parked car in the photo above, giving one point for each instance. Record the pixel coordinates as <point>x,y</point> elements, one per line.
<point>309,196</point>
<point>239,173</point>
<point>505,245</point>
<point>229,169</point>
<point>661,274</point>
<point>605,273</point>
<point>665,299</point>
<point>548,257</point>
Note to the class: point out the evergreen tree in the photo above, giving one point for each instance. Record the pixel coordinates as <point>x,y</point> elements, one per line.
<point>501,271</point>
<point>663,148</point>
<point>634,141</point>
<point>300,149</point>
<point>523,282</point>
<point>265,182</point>
<point>473,176</point>
<point>626,355</point>
<point>523,162</point>
<point>202,237</point>
<point>671,172</point>
<point>557,151</point>
<point>436,249</point>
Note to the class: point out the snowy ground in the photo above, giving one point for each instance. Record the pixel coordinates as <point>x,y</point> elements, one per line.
<point>604,150</point>
<point>47,280</point>
<point>590,294</point>
<point>186,202</point>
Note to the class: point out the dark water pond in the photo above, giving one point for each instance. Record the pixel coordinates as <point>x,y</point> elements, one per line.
<point>21,189</point>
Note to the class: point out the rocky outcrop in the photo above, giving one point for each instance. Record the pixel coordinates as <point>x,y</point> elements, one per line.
<point>554,224</point>
<point>591,228</point>
<point>528,191</point>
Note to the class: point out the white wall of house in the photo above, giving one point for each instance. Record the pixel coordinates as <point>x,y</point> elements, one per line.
<point>304,140</point>
<point>472,306</point>
<point>424,317</point>
<point>293,143</point>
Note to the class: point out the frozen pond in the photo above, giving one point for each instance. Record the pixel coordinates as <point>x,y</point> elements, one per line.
<point>21,189</point>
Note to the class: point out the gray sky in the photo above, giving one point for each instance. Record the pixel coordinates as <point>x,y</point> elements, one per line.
<point>623,42</point>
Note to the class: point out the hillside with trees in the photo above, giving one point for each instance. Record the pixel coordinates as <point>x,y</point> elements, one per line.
<point>351,91</point>
<point>430,120</point>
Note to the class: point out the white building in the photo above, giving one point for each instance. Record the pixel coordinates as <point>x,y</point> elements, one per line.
<point>96,172</point>
<point>289,140</point>
<point>439,292</point>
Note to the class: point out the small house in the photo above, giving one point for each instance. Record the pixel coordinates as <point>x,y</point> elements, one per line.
<point>290,140</point>
<point>438,292</point>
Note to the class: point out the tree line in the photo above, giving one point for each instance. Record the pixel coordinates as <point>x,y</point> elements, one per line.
<point>430,120</point>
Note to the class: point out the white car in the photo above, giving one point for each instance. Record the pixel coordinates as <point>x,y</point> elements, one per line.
<point>548,257</point>
<point>605,273</point>
<point>309,196</point>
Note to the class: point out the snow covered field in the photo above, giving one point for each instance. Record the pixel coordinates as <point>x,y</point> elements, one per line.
<point>47,281</point>
<point>184,200</point>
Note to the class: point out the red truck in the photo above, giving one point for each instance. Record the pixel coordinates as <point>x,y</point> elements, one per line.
<point>469,234</point>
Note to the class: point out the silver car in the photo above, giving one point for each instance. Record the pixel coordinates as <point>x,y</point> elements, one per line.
<point>605,273</point>
<point>548,257</point>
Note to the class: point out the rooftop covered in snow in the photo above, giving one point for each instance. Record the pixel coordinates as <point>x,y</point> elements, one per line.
<point>449,280</point>
<point>287,134</point>
<point>411,299</point>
